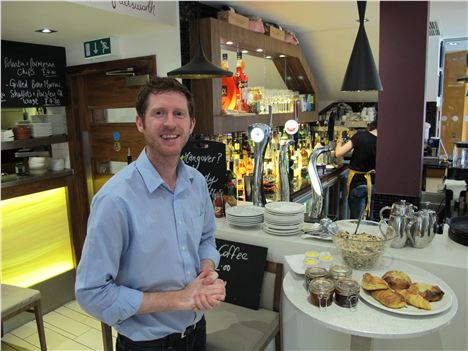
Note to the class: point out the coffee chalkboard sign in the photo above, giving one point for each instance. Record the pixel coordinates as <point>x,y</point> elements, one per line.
<point>209,158</point>
<point>242,266</point>
<point>32,75</point>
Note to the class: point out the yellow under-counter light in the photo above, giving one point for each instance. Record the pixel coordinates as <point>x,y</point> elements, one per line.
<point>36,243</point>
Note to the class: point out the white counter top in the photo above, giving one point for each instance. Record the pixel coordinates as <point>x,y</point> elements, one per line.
<point>443,257</point>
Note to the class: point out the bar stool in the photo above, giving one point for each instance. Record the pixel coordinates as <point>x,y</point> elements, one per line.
<point>16,300</point>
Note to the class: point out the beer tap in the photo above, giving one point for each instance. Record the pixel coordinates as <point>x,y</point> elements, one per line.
<point>284,162</point>
<point>261,134</point>
<point>315,212</point>
<point>284,171</point>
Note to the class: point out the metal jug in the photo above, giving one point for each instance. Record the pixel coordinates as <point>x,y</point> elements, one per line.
<point>400,214</point>
<point>421,228</point>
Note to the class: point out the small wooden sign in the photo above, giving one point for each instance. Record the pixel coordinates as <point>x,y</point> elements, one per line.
<point>242,266</point>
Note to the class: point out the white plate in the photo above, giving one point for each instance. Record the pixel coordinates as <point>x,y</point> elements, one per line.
<point>283,226</point>
<point>244,225</point>
<point>245,211</point>
<point>280,232</point>
<point>282,207</point>
<point>437,307</point>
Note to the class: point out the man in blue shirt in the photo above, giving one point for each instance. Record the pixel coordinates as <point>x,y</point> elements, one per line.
<point>147,266</point>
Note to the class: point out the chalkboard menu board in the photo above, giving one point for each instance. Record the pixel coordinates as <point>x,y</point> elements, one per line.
<point>32,75</point>
<point>209,158</point>
<point>242,266</point>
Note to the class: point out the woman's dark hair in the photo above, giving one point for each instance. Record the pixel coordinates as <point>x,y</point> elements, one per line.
<point>372,125</point>
<point>160,85</point>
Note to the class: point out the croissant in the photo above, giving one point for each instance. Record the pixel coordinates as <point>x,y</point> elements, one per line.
<point>415,300</point>
<point>372,282</point>
<point>430,292</point>
<point>389,298</point>
<point>397,280</point>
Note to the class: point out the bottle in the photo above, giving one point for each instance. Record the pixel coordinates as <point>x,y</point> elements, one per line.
<point>241,81</point>
<point>218,203</point>
<point>228,88</point>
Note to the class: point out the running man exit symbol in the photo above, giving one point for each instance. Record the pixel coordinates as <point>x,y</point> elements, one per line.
<point>98,47</point>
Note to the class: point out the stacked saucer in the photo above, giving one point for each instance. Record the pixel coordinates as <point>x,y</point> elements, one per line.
<point>283,218</point>
<point>244,216</point>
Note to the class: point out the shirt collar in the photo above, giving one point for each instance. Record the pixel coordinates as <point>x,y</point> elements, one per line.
<point>151,176</point>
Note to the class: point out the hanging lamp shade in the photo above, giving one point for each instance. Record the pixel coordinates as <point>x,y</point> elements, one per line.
<point>361,73</point>
<point>199,68</point>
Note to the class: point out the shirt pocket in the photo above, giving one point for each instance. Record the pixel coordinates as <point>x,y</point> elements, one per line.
<point>196,228</point>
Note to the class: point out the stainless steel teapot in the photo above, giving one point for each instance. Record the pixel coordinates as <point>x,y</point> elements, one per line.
<point>421,228</point>
<point>400,215</point>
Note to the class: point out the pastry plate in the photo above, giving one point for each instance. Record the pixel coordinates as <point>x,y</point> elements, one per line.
<point>437,307</point>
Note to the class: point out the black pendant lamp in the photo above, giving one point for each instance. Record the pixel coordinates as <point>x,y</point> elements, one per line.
<point>361,73</point>
<point>199,68</point>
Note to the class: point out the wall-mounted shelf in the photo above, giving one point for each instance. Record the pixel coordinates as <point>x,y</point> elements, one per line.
<point>207,92</point>
<point>34,142</point>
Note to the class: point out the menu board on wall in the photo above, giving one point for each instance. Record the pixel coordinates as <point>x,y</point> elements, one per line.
<point>32,75</point>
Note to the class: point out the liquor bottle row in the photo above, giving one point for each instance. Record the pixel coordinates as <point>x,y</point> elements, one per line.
<point>237,96</point>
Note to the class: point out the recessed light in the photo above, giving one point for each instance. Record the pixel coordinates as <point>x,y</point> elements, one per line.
<point>229,42</point>
<point>245,51</point>
<point>259,50</point>
<point>45,30</point>
<point>282,55</point>
<point>268,57</point>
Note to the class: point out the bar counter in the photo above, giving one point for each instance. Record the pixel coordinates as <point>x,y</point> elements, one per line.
<point>443,257</point>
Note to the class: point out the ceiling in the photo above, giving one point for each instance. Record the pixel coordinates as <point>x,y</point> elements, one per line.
<point>326,29</point>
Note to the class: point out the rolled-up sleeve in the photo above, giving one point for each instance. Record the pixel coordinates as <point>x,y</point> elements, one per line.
<point>95,288</point>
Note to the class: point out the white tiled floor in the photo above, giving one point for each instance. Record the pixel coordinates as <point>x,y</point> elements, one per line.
<point>67,328</point>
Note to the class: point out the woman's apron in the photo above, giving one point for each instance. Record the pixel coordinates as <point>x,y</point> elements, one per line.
<point>368,177</point>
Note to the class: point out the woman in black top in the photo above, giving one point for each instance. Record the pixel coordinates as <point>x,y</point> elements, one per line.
<point>362,169</point>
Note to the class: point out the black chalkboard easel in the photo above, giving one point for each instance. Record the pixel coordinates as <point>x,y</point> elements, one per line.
<point>242,266</point>
<point>32,75</point>
<point>209,158</point>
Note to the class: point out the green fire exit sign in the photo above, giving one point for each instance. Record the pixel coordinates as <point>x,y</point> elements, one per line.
<point>98,47</point>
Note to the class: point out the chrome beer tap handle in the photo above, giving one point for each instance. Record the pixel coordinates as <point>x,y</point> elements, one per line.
<point>316,183</point>
<point>258,193</point>
<point>283,171</point>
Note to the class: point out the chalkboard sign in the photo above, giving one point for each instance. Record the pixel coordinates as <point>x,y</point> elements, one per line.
<point>209,158</point>
<point>32,75</point>
<point>242,266</point>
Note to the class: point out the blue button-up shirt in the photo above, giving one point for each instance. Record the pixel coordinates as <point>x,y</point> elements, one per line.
<point>144,237</point>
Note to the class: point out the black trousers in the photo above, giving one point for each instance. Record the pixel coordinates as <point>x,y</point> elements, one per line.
<point>194,339</point>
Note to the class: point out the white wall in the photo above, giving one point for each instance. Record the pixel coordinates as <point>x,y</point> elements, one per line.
<point>164,43</point>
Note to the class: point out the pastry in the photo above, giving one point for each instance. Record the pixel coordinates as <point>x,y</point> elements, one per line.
<point>397,280</point>
<point>414,299</point>
<point>430,292</point>
<point>372,282</point>
<point>389,298</point>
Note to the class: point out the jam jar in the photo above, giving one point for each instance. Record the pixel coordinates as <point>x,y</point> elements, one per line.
<point>321,292</point>
<point>312,273</point>
<point>340,271</point>
<point>347,293</point>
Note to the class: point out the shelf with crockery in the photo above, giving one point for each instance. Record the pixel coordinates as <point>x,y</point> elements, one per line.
<point>34,142</point>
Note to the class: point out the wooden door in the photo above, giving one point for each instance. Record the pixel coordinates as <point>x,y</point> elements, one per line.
<point>96,91</point>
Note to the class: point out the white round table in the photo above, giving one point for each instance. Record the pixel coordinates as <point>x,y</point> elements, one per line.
<point>366,321</point>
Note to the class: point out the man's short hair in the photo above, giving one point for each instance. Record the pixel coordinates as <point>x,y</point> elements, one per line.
<point>160,85</point>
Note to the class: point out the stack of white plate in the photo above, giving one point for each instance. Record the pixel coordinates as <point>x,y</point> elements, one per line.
<point>244,216</point>
<point>40,129</point>
<point>37,165</point>
<point>283,218</point>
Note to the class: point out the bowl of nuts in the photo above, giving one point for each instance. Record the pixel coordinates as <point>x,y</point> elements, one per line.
<point>362,250</point>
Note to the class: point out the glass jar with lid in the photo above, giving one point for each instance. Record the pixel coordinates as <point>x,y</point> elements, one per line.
<point>340,271</point>
<point>312,273</point>
<point>347,293</point>
<point>321,292</point>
